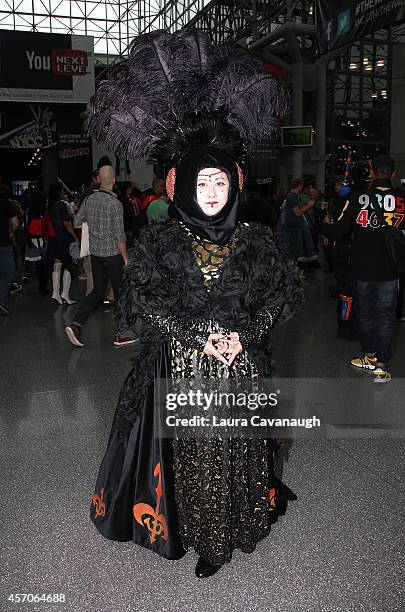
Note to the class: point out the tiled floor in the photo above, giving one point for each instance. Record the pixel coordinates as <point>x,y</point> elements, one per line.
<point>340,547</point>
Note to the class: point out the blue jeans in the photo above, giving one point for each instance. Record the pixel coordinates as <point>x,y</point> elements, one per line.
<point>375,304</point>
<point>401,290</point>
<point>7,271</point>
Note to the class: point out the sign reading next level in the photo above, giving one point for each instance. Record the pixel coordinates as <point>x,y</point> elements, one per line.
<point>68,62</point>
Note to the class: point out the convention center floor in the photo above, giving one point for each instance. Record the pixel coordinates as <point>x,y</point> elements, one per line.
<point>339,548</point>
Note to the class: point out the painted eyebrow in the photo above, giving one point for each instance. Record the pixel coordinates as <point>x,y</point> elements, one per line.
<point>209,176</point>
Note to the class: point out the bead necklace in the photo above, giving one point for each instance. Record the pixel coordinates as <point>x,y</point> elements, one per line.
<point>210,256</point>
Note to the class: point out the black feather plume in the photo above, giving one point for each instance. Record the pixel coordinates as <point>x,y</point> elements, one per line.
<point>176,92</point>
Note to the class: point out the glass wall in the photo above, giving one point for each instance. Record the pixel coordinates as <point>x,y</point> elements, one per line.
<point>358,103</point>
<point>113,23</point>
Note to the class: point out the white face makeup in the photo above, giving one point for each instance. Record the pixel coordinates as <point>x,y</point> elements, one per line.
<point>212,190</point>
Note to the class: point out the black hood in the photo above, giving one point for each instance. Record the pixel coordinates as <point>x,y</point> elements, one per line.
<point>220,227</point>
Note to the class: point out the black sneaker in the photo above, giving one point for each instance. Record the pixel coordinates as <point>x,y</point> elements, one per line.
<point>4,310</point>
<point>15,288</point>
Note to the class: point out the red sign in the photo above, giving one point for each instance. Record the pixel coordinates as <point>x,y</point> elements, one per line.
<point>69,62</point>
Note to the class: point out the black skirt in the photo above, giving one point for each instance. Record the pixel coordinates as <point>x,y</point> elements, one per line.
<point>58,248</point>
<point>171,495</point>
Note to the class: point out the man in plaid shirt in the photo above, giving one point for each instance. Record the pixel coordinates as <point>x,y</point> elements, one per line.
<point>103,213</point>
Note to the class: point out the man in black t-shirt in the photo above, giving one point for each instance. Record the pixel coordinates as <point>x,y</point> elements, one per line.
<point>8,224</point>
<point>374,277</point>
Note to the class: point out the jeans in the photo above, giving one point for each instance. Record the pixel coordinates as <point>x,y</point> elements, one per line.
<point>7,271</point>
<point>375,304</point>
<point>401,290</point>
<point>104,269</point>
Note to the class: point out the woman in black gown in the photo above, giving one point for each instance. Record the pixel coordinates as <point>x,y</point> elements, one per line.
<point>202,292</point>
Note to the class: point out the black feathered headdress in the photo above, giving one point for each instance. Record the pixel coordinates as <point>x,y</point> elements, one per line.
<point>176,92</point>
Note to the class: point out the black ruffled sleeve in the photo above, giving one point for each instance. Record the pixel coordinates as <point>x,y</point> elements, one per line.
<point>188,333</point>
<point>261,324</point>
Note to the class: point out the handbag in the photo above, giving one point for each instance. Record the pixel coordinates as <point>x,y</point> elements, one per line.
<point>84,238</point>
<point>84,242</point>
<point>42,227</point>
<point>345,306</point>
<point>394,240</point>
<point>35,228</point>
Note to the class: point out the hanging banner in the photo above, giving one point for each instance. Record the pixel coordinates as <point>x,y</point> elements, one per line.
<point>42,126</point>
<point>341,23</point>
<point>54,130</point>
<point>38,67</point>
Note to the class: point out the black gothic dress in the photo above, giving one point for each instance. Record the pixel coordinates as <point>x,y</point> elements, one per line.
<point>217,494</point>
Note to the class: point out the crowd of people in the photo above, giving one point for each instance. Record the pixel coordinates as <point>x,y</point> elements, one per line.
<point>310,226</point>
<point>38,232</point>
<point>367,261</point>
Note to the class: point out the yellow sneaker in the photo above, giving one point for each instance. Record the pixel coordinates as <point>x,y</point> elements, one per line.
<point>381,375</point>
<point>364,362</point>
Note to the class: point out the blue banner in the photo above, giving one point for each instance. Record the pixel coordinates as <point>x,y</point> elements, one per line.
<point>341,23</point>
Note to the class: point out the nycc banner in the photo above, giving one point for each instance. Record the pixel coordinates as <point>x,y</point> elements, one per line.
<point>341,23</point>
<point>53,128</point>
<point>43,126</point>
<point>40,67</point>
